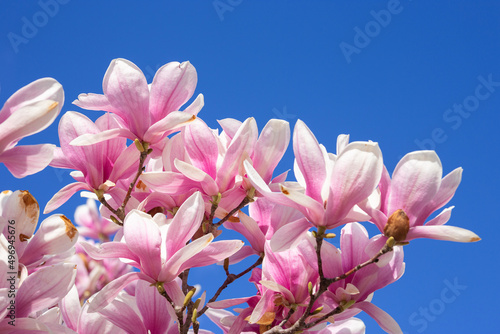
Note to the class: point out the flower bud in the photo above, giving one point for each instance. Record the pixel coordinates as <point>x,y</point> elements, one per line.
<point>397,226</point>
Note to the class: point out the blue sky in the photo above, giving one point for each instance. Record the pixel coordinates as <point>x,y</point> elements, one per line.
<point>392,72</point>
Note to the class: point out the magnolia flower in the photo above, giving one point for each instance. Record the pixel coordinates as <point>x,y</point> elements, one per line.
<point>401,206</point>
<point>354,293</point>
<point>148,113</point>
<point>29,110</point>
<point>100,166</point>
<point>331,185</point>
<point>158,248</point>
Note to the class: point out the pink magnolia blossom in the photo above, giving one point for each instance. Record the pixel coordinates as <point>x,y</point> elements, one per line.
<point>29,110</point>
<point>148,113</point>
<point>330,186</point>
<point>356,290</point>
<point>99,166</point>
<point>91,224</point>
<point>417,188</point>
<point>158,248</point>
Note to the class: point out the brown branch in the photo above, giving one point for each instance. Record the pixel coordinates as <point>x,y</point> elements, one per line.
<point>230,279</point>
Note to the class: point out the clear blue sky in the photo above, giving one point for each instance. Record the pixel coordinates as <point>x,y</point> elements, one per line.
<point>331,64</point>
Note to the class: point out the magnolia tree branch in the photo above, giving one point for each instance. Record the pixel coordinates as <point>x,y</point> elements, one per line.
<point>230,279</point>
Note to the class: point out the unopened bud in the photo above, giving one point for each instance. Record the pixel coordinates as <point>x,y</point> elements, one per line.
<point>316,311</point>
<point>188,296</point>
<point>197,303</point>
<point>138,144</point>
<point>226,264</point>
<point>397,226</point>
<point>310,288</point>
<point>195,314</point>
<point>330,235</point>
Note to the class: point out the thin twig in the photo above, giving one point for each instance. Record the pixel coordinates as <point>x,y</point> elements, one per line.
<point>229,279</point>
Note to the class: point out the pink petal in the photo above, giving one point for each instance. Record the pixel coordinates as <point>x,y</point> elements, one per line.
<point>230,126</point>
<point>241,148</point>
<point>174,120</point>
<point>70,308</point>
<point>195,107</point>
<point>450,233</point>
<point>332,260</point>
<point>310,160</point>
<point>385,321</point>
<point>250,230</point>
<point>206,182</point>
<point>270,147</point>
<point>153,308</point>
<point>26,121</point>
<point>221,304</point>
<point>355,175</point>
<point>22,161</point>
<point>112,289</point>
<point>353,241</point>
<point>442,218</point>
<point>289,235</point>
<point>110,250</point>
<point>173,85</point>
<point>127,90</point>
<point>93,101</point>
<point>94,138</point>
<point>213,253</point>
<point>449,185</point>
<point>63,195</point>
<point>38,90</point>
<point>142,236</point>
<point>124,317</point>
<point>56,235</point>
<point>185,223</point>
<point>415,182</point>
<point>44,288</point>
<point>126,164</point>
<point>168,182</point>
<point>172,267</point>
<point>201,147</point>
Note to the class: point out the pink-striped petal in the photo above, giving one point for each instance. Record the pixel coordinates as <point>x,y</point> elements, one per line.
<point>88,139</point>
<point>26,121</point>
<point>270,147</point>
<point>51,284</point>
<point>289,235</point>
<point>201,146</point>
<point>355,175</point>
<point>38,90</point>
<point>185,223</point>
<point>124,317</point>
<point>153,308</point>
<point>173,85</point>
<point>168,182</point>
<point>113,288</point>
<point>127,90</point>
<point>64,194</point>
<point>439,232</point>
<point>310,160</point>
<point>142,236</point>
<point>172,267</point>
<point>383,319</point>
<point>174,120</point>
<point>415,182</point>
<point>22,161</point>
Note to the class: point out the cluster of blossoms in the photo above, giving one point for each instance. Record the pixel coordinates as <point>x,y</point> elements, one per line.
<point>168,186</point>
